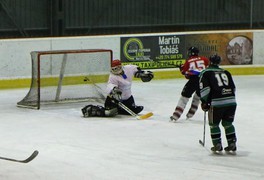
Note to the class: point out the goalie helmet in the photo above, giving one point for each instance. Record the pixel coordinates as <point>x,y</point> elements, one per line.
<point>193,51</point>
<point>215,59</point>
<point>116,67</point>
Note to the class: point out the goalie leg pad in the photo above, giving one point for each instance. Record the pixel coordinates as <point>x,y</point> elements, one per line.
<point>93,111</point>
<point>111,112</point>
<point>130,103</point>
<point>110,103</point>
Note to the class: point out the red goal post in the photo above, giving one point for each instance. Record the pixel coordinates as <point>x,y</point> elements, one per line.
<point>58,76</point>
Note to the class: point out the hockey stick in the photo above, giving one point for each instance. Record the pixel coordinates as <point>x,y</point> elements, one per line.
<point>139,117</point>
<point>203,142</point>
<point>98,88</point>
<point>30,158</point>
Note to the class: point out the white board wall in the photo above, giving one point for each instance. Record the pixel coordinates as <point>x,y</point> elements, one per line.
<point>16,61</point>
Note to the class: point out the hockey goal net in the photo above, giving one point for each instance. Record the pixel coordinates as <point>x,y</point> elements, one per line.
<point>67,76</point>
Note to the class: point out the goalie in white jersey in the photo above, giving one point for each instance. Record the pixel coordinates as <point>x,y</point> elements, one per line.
<point>119,90</point>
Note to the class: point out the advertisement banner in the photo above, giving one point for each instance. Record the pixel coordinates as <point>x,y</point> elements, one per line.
<point>153,52</point>
<point>170,51</point>
<point>234,48</point>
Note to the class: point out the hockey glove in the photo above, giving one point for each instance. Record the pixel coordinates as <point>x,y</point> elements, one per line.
<point>205,106</point>
<point>138,73</point>
<point>145,76</point>
<point>116,94</point>
<point>180,67</point>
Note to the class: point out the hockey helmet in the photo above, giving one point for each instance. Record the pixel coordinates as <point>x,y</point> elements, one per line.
<point>115,63</point>
<point>116,67</point>
<point>193,51</point>
<point>215,59</point>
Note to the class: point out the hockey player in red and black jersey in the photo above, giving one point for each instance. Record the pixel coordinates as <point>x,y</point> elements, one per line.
<point>191,70</point>
<point>217,91</point>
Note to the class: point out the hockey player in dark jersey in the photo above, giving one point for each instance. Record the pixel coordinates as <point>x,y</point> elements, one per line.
<point>217,91</point>
<point>191,70</point>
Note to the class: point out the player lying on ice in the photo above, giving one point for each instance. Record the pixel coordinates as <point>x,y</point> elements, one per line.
<point>119,90</point>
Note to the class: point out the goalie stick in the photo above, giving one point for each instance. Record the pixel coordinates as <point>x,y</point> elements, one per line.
<point>30,158</point>
<point>139,117</point>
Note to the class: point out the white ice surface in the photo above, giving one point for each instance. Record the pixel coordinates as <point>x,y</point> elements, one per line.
<point>122,148</point>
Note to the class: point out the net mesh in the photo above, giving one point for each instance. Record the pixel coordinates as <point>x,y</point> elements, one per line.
<point>67,76</point>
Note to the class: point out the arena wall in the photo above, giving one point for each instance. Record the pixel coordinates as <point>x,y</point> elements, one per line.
<point>15,67</point>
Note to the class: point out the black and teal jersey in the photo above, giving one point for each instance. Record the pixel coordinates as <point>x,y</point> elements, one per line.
<point>217,87</point>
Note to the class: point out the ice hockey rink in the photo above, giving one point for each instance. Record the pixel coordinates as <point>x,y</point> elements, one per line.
<point>122,148</point>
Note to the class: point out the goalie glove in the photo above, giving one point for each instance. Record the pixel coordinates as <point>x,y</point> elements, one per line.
<point>116,94</point>
<point>145,76</point>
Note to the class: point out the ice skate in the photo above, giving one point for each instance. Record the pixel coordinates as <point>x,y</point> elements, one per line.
<point>231,147</point>
<point>173,118</point>
<point>189,115</point>
<point>217,148</point>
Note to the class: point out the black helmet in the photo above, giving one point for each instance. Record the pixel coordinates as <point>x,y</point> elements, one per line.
<point>215,59</point>
<point>193,51</point>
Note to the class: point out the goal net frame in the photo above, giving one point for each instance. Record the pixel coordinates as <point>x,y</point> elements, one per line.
<point>37,78</point>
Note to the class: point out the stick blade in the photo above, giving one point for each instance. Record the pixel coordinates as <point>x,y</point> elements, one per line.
<point>145,116</point>
<point>201,142</point>
<point>31,157</point>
